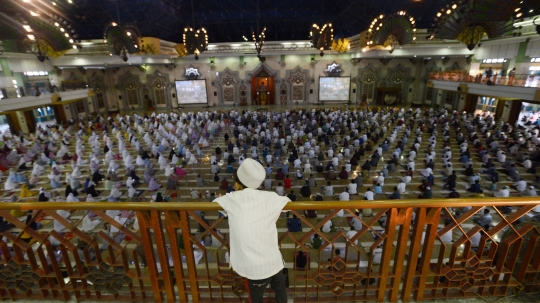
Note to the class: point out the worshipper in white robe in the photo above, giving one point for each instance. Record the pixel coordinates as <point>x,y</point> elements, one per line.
<point>76,173</point>
<point>38,170</point>
<point>9,185</point>
<point>115,192</point>
<point>72,198</point>
<point>88,224</point>
<point>57,226</point>
<point>112,166</point>
<point>139,161</point>
<point>154,185</point>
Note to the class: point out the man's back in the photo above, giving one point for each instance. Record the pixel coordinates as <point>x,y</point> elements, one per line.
<point>254,251</point>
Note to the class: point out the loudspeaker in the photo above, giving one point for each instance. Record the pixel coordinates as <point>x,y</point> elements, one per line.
<point>120,97</point>
<point>311,91</point>
<point>174,95</point>
<point>354,91</point>
<point>215,93</point>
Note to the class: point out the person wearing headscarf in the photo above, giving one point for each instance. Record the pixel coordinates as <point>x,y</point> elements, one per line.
<point>132,192</point>
<point>33,181</point>
<point>92,190</point>
<point>9,185</point>
<point>139,161</point>
<point>55,182</point>
<point>97,177</point>
<point>113,176</point>
<point>76,173</point>
<point>171,182</point>
<point>88,224</point>
<point>115,192</point>
<point>72,198</point>
<point>57,226</point>
<point>135,178</point>
<point>70,190</point>
<point>153,185</point>
<point>26,193</point>
<point>44,196</point>
<point>159,197</point>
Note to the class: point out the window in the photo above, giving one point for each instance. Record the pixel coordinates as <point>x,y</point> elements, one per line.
<point>100,100</point>
<point>368,90</point>
<point>429,94</point>
<point>79,105</point>
<point>159,96</point>
<point>132,97</point>
<point>535,60</point>
<point>449,99</point>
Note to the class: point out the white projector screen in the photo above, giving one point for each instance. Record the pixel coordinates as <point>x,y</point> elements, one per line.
<point>334,88</point>
<point>191,92</point>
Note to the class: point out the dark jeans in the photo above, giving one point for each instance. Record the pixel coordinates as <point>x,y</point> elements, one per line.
<point>277,282</point>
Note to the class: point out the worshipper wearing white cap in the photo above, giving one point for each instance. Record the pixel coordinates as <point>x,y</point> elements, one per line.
<point>254,250</point>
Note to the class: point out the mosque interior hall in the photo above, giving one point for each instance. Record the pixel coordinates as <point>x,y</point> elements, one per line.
<point>405,136</point>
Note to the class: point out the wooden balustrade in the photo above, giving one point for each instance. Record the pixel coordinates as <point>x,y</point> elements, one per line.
<point>158,252</point>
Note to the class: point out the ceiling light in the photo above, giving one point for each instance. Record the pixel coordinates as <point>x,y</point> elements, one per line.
<point>517,9</point>
<point>62,29</point>
<point>114,24</point>
<point>69,1</point>
<point>34,14</point>
<point>129,34</point>
<point>31,37</point>
<point>519,15</point>
<point>438,14</point>
<point>75,47</point>
<point>56,24</point>
<point>27,28</point>
<point>454,6</point>
<point>381,16</point>
<point>67,35</point>
<point>70,40</point>
<point>448,12</point>
<point>26,0</point>
<point>54,3</point>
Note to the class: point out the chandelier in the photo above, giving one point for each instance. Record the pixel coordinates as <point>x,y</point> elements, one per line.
<point>322,38</point>
<point>389,31</point>
<point>122,40</point>
<point>259,42</point>
<point>195,42</point>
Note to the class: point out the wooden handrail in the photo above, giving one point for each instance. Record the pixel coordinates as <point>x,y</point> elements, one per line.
<point>356,204</point>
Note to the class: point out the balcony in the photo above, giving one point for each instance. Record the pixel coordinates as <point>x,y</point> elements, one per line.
<point>44,99</point>
<point>520,86</point>
<point>160,252</point>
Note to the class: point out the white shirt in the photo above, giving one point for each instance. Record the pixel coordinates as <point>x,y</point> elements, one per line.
<point>254,250</point>
<point>369,195</point>
<point>352,188</point>
<point>344,196</point>
<point>401,187</point>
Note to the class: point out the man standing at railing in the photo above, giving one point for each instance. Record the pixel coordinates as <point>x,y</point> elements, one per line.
<point>254,249</point>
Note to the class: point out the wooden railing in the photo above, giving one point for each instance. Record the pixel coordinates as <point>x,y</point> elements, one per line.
<point>159,252</point>
<point>523,80</point>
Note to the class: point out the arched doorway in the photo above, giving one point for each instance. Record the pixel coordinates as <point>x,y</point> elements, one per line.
<point>262,89</point>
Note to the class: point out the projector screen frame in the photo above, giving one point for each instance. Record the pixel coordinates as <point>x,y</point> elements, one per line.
<point>348,92</point>
<point>188,80</point>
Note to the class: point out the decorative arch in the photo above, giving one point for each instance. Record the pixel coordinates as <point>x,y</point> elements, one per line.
<point>99,99</point>
<point>469,23</point>
<point>262,70</point>
<point>399,77</point>
<point>298,82</point>
<point>228,83</point>
<point>398,28</point>
<point>367,81</point>
<point>159,89</point>
<point>131,90</point>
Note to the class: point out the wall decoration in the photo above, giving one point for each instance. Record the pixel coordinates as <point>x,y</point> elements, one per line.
<point>368,79</point>
<point>333,70</point>
<point>160,89</point>
<point>191,73</point>
<point>283,94</point>
<point>228,94</point>
<point>229,81</point>
<point>131,90</point>
<point>298,81</point>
